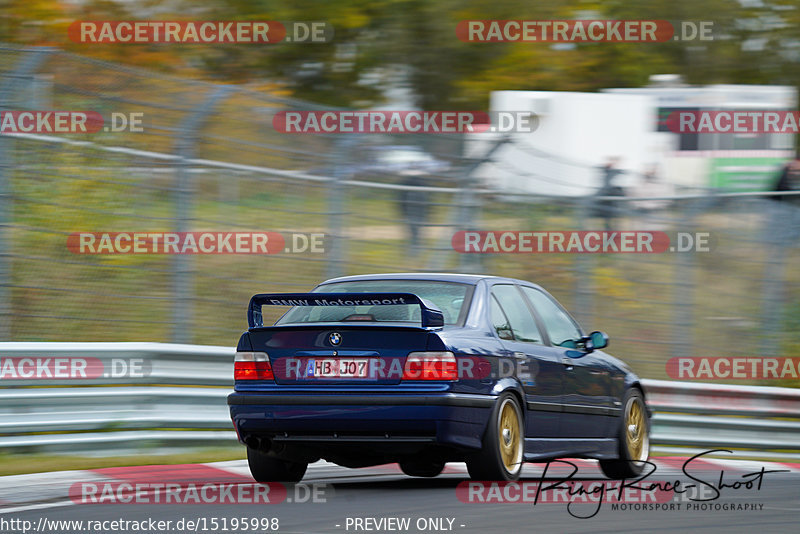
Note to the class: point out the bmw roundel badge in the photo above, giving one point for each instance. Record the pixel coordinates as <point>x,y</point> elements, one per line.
<point>335,338</point>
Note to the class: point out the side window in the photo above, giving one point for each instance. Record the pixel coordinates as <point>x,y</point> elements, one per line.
<point>560,327</point>
<point>500,321</point>
<point>519,316</point>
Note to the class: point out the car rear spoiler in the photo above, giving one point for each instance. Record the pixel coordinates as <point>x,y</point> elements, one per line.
<point>430,315</point>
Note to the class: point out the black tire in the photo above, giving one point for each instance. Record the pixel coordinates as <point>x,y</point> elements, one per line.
<point>422,468</point>
<point>266,468</point>
<point>500,460</point>
<point>633,451</point>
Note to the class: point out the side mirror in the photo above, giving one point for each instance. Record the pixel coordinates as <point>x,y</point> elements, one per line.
<point>505,333</point>
<point>597,340</point>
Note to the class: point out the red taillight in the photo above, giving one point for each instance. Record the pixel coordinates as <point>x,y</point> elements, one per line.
<point>430,366</point>
<point>252,366</point>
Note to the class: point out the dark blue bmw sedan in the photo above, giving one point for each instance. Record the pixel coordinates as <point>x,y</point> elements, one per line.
<point>423,369</point>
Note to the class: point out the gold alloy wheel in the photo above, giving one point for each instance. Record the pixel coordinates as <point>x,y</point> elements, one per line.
<point>509,433</point>
<point>636,430</point>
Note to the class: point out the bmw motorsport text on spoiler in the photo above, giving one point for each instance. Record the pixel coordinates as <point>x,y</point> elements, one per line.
<point>431,315</point>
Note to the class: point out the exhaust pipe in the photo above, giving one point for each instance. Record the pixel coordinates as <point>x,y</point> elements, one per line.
<point>258,443</point>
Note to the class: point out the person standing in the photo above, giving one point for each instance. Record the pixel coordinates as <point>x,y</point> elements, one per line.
<point>789,180</point>
<point>607,208</point>
<point>783,224</point>
<point>414,208</point>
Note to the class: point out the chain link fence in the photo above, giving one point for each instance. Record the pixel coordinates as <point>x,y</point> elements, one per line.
<point>208,159</point>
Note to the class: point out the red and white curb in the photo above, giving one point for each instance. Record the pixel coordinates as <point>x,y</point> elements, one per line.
<point>49,490</point>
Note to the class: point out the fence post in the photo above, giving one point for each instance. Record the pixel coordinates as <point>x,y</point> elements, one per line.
<point>468,210</point>
<point>583,271</point>
<point>24,69</point>
<point>335,239</point>
<point>683,292</point>
<point>182,264</point>
<point>781,227</point>
<point>470,206</point>
<point>464,215</point>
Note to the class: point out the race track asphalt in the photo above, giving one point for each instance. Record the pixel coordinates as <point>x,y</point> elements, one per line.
<point>431,505</point>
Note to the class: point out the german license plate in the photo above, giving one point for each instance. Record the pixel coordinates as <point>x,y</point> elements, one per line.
<point>337,368</point>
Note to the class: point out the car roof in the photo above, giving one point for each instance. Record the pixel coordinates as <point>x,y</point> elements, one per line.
<point>471,279</point>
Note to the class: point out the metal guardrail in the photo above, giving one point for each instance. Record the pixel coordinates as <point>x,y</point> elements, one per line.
<point>179,399</point>
<point>755,421</point>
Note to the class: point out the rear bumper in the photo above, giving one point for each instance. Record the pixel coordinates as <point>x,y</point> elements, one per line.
<point>448,419</point>
<point>444,399</point>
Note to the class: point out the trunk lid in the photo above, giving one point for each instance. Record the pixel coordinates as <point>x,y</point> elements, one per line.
<point>336,353</point>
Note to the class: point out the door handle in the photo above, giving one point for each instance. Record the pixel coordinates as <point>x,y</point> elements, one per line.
<point>567,363</point>
<point>521,356</point>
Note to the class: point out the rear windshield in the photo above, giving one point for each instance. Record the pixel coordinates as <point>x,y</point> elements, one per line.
<point>452,298</point>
